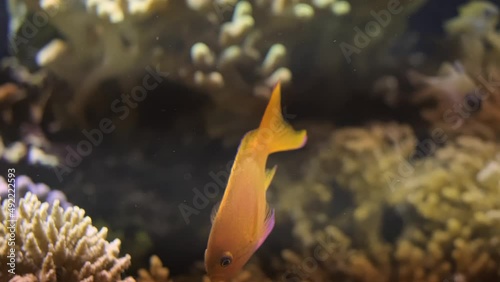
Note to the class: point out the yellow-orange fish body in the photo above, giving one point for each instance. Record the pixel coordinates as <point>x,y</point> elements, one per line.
<point>244,219</point>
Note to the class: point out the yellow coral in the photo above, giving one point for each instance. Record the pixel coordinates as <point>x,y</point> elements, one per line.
<point>447,200</point>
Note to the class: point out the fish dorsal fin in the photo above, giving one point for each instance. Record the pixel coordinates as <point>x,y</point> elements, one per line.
<point>215,209</point>
<point>284,138</point>
<point>268,224</point>
<point>269,176</point>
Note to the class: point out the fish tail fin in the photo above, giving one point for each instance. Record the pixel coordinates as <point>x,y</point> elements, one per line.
<point>275,131</point>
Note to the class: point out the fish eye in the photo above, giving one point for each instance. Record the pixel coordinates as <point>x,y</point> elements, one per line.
<point>226,260</point>
<point>473,101</point>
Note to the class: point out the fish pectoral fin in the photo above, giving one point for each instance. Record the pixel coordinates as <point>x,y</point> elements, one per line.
<point>215,209</point>
<point>270,175</point>
<point>268,225</point>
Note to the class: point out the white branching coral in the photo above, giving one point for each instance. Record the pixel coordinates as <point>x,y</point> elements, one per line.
<point>52,244</point>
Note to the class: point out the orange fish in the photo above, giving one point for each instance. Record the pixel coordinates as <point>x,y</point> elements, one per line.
<point>243,219</point>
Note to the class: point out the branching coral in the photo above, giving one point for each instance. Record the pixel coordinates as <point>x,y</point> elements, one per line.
<point>461,104</point>
<point>466,95</point>
<point>21,88</point>
<point>32,154</point>
<point>156,273</point>
<point>22,94</point>
<point>52,244</point>
<point>124,38</point>
<point>224,47</point>
<point>463,97</point>
<point>479,41</point>
<point>455,226</point>
<point>444,190</point>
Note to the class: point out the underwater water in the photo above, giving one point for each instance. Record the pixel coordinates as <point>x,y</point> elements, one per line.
<point>264,140</point>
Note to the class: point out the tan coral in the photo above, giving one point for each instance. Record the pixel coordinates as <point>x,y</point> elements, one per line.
<point>460,224</point>
<point>232,50</point>
<point>116,26</point>
<point>462,104</point>
<point>446,193</point>
<point>156,273</point>
<point>52,244</point>
<point>475,28</point>
<point>462,97</point>
<point>29,142</point>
